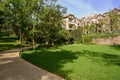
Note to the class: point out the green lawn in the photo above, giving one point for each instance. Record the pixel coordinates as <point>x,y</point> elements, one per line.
<point>78,62</point>
<point>9,42</point>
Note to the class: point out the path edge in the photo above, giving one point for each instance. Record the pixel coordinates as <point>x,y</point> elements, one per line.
<point>27,48</point>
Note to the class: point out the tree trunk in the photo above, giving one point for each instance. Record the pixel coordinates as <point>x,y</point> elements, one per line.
<point>20,35</point>
<point>52,42</point>
<point>46,42</point>
<point>33,39</point>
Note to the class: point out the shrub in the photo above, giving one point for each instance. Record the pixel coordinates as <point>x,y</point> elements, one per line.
<point>77,34</point>
<point>88,38</point>
<point>63,37</point>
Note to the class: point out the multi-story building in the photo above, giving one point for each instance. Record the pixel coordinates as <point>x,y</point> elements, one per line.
<point>70,22</point>
<point>101,22</point>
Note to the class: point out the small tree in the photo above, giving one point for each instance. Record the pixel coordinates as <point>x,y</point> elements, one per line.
<point>114,20</point>
<point>78,34</point>
<point>63,36</point>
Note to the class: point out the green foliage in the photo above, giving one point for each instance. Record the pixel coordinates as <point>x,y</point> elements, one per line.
<point>32,20</point>
<point>78,62</point>
<point>88,38</point>
<point>3,16</point>
<point>63,37</point>
<point>114,19</point>
<point>77,34</point>
<point>51,21</point>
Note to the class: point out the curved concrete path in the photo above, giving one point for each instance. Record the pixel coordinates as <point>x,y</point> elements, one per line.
<point>12,67</point>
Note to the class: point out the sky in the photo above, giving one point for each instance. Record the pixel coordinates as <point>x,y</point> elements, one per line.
<point>83,8</point>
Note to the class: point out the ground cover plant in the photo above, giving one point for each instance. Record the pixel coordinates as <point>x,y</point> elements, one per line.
<point>78,62</point>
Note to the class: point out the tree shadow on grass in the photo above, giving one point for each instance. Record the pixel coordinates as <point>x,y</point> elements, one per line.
<point>9,46</point>
<point>110,59</point>
<point>5,43</point>
<point>117,47</point>
<point>6,40</point>
<point>52,61</point>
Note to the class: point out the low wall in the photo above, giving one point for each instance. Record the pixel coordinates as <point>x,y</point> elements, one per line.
<point>107,41</point>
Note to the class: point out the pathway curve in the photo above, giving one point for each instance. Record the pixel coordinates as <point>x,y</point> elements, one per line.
<point>12,67</point>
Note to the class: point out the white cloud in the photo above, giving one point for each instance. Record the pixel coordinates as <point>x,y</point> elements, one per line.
<point>79,8</point>
<point>82,8</point>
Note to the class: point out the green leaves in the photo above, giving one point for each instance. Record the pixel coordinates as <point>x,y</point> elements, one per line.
<point>114,19</point>
<point>30,19</point>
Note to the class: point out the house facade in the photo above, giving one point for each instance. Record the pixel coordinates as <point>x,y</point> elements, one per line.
<point>100,22</point>
<point>70,22</point>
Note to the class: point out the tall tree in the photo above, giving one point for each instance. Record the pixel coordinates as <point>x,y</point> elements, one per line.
<point>24,17</point>
<point>114,19</point>
<point>52,20</point>
<point>31,19</point>
<point>3,15</point>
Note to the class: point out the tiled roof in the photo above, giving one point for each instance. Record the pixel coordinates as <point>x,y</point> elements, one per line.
<point>66,16</point>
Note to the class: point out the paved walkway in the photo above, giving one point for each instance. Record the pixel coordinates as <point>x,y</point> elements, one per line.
<point>12,67</point>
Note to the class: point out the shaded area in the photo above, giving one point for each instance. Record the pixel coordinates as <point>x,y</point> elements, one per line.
<point>52,61</point>
<point>7,39</point>
<point>110,59</point>
<point>116,47</point>
<point>9,46</point>
<point>12,67</point>
<point>7,43</point>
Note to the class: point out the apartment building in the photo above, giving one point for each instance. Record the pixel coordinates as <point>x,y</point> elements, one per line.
<point>70,22</point>
<point>101,22</point>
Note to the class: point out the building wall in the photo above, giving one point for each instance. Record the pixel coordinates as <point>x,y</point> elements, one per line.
<point>100,21</point>
<point>72,22</point>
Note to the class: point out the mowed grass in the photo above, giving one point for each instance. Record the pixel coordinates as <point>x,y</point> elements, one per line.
<point>9,42</point>
<point>78,62</point>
